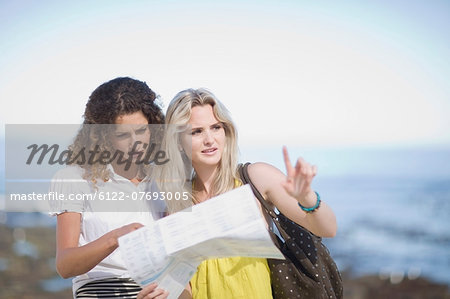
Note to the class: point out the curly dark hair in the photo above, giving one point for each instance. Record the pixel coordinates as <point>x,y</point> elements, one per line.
<point>120,96</point>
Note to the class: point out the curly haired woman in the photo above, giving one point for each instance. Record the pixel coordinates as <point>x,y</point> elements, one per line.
<point>87,234</point>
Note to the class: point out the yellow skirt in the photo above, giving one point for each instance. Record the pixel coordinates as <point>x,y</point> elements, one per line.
<point>232,278</point>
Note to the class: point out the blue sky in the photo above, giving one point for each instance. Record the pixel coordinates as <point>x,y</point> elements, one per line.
<point>301,73</point>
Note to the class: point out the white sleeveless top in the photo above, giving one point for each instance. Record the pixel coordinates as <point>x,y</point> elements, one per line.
<point>95,223</point>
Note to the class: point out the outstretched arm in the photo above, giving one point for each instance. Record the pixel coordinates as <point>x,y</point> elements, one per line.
<point>72,260</point>
<point>286,192</point>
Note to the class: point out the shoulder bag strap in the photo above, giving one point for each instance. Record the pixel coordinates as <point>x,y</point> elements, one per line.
<point>243,172</point>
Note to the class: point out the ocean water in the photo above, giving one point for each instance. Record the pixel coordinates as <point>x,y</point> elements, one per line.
<point>392,208</point>
<point>389,225</point>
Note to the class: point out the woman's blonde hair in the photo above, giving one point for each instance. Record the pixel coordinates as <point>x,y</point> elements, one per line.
<point>177,175</point>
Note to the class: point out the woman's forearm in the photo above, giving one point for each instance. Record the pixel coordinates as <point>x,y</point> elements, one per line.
<point>322,222</point>
<point>79,260</point>
<point>72,260</point>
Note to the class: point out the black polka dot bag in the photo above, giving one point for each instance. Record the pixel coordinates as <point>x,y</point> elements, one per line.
<point>308,270</point>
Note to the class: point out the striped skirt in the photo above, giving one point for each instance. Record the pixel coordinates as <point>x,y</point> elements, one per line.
<point>109,288</point>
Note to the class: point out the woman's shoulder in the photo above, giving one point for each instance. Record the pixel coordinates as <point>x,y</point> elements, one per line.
<point>262,169</point>
<point>263,175</point>
<point>69,182</point>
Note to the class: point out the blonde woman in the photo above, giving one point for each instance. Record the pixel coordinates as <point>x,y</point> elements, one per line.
<point>201,131</point>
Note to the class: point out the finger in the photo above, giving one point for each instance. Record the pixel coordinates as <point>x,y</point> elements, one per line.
<point>287,187</point>
<point>287,162</point>
<point>299,166</point>
<point>155,294</point>
<point>164,295</point>
<point>305,168</point>
<point>132,227</point>
<point>314,170</point>
<point>146,290</point>
<point>128,229</point>
<point>136,225</point>
<point>305,174</point>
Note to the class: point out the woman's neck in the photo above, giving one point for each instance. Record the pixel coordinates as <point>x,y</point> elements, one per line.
<point>203,182</point>
<point>131,172</point>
